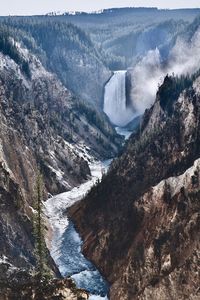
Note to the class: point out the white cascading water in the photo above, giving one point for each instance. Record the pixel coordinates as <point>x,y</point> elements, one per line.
<point>115,100</point>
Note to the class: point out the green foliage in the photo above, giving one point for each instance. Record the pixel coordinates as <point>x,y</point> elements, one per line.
<point>48,34</point>
<point>8,47</point>
<point>39,227</point>
<point>172,87</point>
<point>93,118</point>
<point>144,140</point>
<point>112,61</point>
<point>115,36</point>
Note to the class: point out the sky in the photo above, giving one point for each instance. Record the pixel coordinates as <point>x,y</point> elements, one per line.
<point>30,7</point>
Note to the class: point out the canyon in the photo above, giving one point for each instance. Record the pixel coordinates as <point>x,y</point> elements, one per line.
<point>108,113</point>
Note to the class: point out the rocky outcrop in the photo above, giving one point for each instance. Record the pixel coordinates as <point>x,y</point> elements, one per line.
<point>165,250</point>
<point>140,225</point>
<point>18,284</point>
<point>41,128</point>
<point>48,124</point>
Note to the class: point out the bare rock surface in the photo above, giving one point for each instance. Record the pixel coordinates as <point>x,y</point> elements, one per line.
<point>141,224</point>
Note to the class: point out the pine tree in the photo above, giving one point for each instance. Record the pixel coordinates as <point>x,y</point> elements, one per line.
<point>40,246</point>
<point>71,121</point>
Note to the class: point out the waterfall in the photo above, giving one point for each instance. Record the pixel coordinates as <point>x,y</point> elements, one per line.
<point>115,100</point>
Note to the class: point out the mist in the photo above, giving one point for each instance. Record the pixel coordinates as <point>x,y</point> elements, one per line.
<point>150,72</point>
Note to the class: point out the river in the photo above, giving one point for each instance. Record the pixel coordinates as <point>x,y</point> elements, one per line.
<point>65,245</point>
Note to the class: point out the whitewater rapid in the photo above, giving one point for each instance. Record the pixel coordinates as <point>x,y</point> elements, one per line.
<point>65,245</point>
<point>115,104</point>
<point>62,239</point>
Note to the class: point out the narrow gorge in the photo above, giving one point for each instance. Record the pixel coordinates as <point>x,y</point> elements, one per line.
<point>100,154</point>
<point>65,243</point>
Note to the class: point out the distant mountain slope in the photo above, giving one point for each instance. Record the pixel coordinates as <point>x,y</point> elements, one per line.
<point>123,34</point>
<point>67,51</point>
<point>118,37</point>
<point>83,56</point>
<point>178,54</point>
<point>141,224</point>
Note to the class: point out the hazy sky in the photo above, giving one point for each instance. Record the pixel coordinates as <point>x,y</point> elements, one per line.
<point>24,7</point>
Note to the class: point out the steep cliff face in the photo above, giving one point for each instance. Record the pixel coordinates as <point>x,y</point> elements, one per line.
<point>42,127</point>
<point>73,57</point>
<point>68,52</point>
<point>49,120</point>
<point>141,224</point>
<point>164,252</point>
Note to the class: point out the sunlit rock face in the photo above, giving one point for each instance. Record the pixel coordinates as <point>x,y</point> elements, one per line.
<point>144,229</point>
<point>39,130</point>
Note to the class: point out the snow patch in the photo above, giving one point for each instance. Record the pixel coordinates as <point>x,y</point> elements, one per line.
<point>187,108</point>
<point>4,260</point>
<point>176,183</point>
